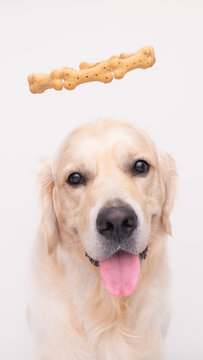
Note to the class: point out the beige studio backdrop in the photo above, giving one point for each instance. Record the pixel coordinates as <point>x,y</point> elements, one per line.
<point>165,101</point>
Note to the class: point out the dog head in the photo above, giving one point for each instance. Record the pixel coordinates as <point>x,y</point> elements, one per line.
<point>106,191</point>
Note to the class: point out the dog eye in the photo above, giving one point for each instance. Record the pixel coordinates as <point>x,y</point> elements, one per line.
<point>141,167</point>
<point>75,179</point>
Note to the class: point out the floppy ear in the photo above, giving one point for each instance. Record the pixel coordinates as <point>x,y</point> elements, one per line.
<point>49,221</point>
<point>168,180</point>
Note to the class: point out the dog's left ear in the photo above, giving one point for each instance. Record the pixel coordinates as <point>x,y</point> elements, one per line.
<point>168,177</point>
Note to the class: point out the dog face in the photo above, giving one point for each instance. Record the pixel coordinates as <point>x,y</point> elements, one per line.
<point>107,191</point>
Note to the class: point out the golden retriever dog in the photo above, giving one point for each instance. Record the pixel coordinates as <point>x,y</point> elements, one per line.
<point>99,261</point>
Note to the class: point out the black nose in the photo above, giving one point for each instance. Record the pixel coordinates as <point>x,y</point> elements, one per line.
<point>116,223</point>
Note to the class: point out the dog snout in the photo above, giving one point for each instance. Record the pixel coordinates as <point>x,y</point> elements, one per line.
<point>116,223</point>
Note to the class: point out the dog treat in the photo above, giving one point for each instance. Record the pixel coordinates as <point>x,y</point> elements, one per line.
<point>40,82</point>
<point>98,72</point>
<point>104,71</point>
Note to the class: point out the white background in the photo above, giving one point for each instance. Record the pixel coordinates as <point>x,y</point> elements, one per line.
<point>166,101</point>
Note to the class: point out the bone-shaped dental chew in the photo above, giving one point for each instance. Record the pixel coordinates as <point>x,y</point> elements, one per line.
<point>104,71</point>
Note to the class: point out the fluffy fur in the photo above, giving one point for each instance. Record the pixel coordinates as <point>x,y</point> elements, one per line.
<point>72,316</point>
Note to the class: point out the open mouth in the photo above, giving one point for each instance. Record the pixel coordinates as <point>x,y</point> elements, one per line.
<point>120,272</point>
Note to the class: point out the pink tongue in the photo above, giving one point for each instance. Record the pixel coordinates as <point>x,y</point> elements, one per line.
<point>120,273</point>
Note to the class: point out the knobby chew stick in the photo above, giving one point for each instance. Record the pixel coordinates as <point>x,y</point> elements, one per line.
<point>104,71</point>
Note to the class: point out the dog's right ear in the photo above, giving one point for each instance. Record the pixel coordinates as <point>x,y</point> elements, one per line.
<point>48,220</point>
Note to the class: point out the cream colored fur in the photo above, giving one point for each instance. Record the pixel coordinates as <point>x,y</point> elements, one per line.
<point>72,316</point>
